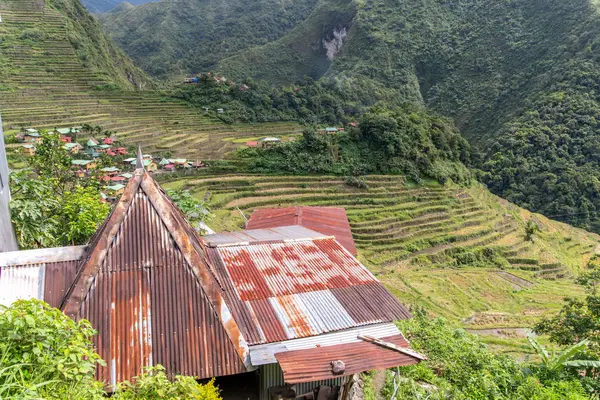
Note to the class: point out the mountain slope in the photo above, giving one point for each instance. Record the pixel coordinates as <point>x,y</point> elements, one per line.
<point>175,37</point>
<point>459,252</point>
<point>102,6</point>
<point>520,78</point>
<point>57,69</point>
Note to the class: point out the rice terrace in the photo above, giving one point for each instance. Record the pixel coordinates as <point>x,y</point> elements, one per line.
<point>306,200</point>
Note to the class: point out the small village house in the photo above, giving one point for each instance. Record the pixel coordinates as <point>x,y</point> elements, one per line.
<point>108,141</point>
<point>252,143</point>
<point>84,164</point>
<point>220,111</point>
<point>115,190</point>
<point>129,161</point>
<point>284,308</point>
<point>32,137</point>
<point>148,163</point>
<point>111,171</point>
<point>73,148</point>
<point>29,149</point>
<point>270,141</point>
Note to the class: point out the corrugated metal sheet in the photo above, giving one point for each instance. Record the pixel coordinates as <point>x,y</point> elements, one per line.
<point>22,282</point>
<point>265,353</point>
<point>331,221</point>
<point>300,288</point>
<point>44,274</point>
<point>149,307</point>
<point>146,286</point>
<point>315,364</point>
<point>59,277</point>
<point>271,375</point>
<point>279,234</point>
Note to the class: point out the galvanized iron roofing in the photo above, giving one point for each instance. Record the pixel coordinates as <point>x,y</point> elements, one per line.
<point>331,221</point>
<point>286,288</point>
<point>315,364</point>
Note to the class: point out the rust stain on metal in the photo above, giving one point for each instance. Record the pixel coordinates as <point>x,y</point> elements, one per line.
<point>147,287</point>
<point>331,221</point>
<point>298,288</point>
<point>315,364</point>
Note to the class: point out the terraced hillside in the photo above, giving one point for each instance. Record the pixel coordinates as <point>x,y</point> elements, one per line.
<point>458,252</point>
<point>45,82</point>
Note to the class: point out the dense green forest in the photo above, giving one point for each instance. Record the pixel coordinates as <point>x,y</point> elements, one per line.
<point>175,37</point>
<point>519,78</point>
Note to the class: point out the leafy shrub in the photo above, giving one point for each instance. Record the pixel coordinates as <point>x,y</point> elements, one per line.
<point>154,384</point>
<point>356,182</point>
<point>45,354</point>
<point>460,366</point>
<point>32,34</point>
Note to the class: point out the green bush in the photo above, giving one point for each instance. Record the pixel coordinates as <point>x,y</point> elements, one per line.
<point>460,366</point>
<point>32,34</point>
<point>45,354</point>
<point>154,384</point>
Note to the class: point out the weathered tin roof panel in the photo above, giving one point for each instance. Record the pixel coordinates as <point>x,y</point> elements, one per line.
<point>22,282</point>
<point>265,353</point>
<point>278,234</point>
<point>300,288</point>
<point>43,274</point>
<point>330,221</point>
<point>315,364</point>
<point>146,286</point>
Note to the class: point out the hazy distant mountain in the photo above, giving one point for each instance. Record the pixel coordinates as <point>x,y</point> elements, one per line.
<point>101,6</point>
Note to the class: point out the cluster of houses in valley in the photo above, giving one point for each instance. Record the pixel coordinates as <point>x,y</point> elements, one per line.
<point>85,158</point>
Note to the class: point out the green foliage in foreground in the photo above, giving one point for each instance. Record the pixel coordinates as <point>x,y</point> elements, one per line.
<point>154,384</point>
<point>46,355</point>
<point>402,140</point>
<point>460,366</point>
<point>51,206</point>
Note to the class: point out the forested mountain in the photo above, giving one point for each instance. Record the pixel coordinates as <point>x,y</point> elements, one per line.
<point>174,37</point>
<point>101,6</point>
<point>520,78</point>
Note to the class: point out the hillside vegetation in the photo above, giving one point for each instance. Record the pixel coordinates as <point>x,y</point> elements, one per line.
<point>459,252</point>
<point>519,78</point>
<point>174,37</point>
<point>57,69</point>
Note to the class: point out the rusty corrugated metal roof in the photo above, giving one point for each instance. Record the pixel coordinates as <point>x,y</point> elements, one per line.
<point>315,364</point>
<point>145,284</point>
<point>44,274</point>
<point>280,290</point>
<point>331,221</point>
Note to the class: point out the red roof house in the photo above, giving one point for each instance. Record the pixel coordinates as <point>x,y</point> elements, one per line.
<point>252,144</point>
<point>326,220</point>
<point>108,141</point>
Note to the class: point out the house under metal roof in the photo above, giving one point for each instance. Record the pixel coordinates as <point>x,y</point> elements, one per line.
<point>331,221</point>
<point>282,301</point>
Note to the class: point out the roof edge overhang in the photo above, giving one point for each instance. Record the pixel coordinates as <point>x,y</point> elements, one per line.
<point>371,353</point>
<point>262,354</point>
<point>39,256</point>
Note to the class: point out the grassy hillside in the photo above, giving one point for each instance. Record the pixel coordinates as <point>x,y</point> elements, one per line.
<point>57,69</point>
<point>459,252</point>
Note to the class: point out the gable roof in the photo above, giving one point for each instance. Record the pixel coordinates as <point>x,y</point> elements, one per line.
<point>145,280</point>
<point>331,221</point>
<point>290,282</point>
